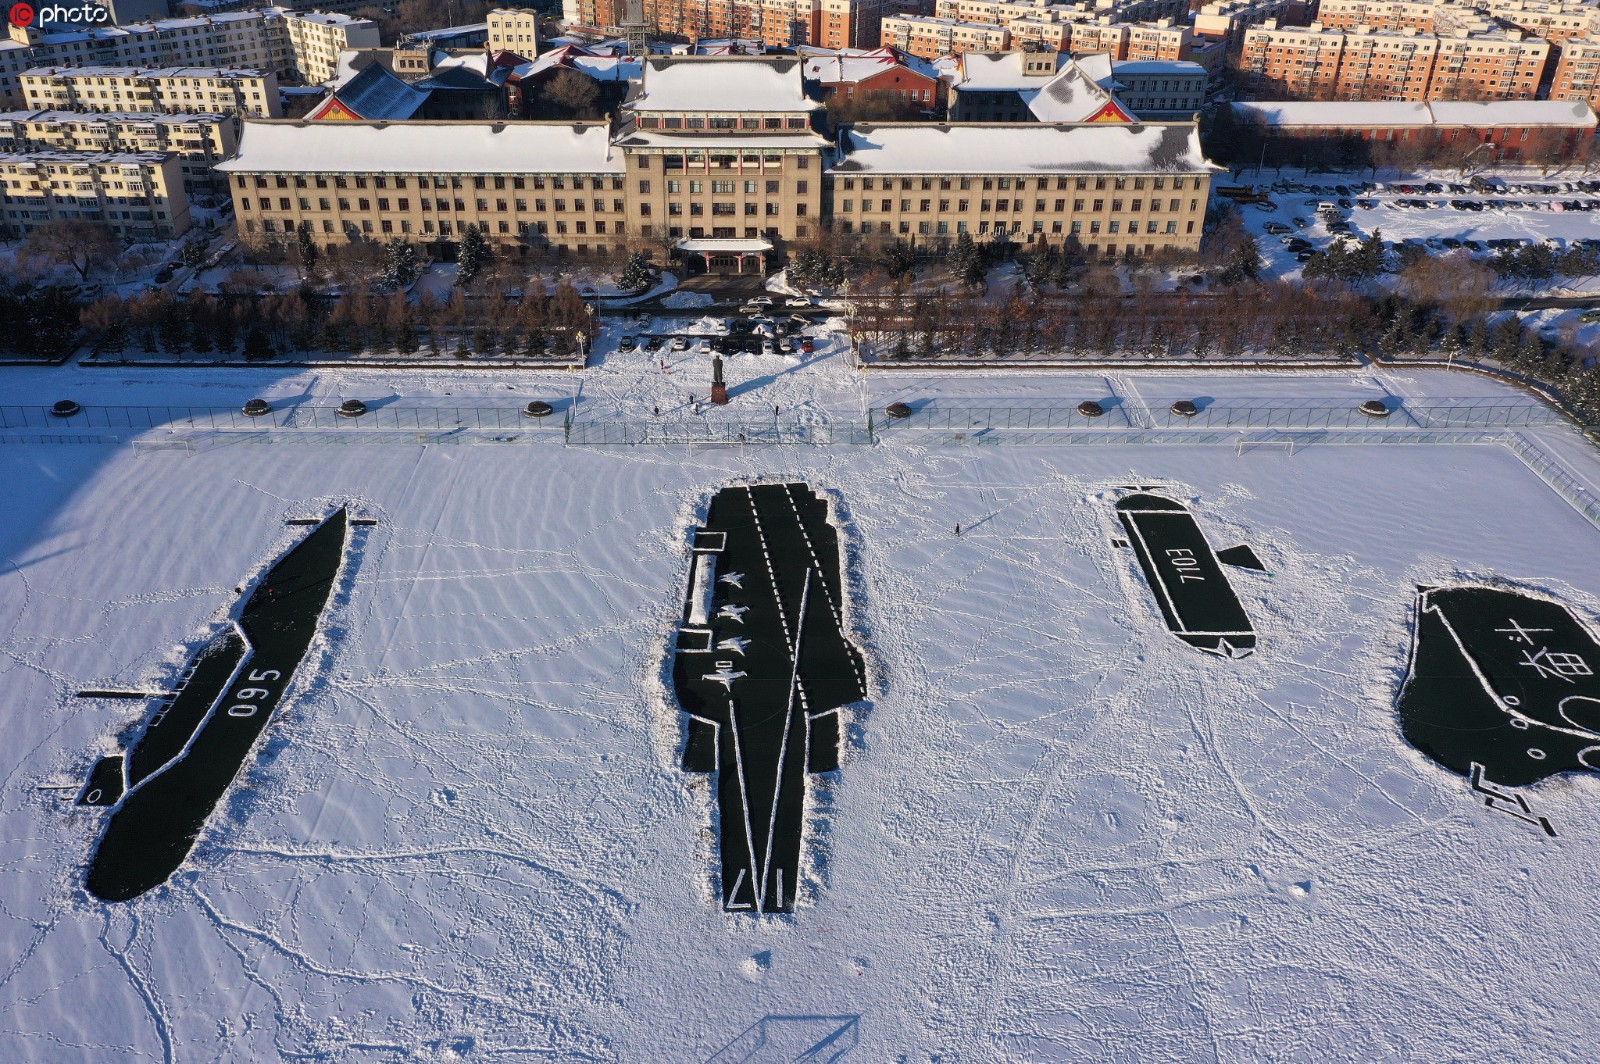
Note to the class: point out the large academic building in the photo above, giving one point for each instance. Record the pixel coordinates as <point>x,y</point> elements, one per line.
<point>723,158</point>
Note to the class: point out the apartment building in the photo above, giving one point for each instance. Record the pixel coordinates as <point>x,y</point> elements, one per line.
<point>1500,64</point>
<point>291,44</point>
<point>199,141</point>
<point>1577,75</point>
<point>930,37</point>
<point>317,37</point>
<point>190,90</point>
<point>1318,63</point>
<point>138,195</point>
<point>1226,20</point>
<point>781,23</point>
<point>1045,33</point>
<point>1116,189</point>
<point>514,30</point>
<point>719,157</point>
<point>1423,17</point>
<point>849,23</point>
<point>1555,22</point>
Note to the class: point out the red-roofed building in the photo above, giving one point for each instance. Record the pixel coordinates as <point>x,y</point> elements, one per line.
<point>855,73</point>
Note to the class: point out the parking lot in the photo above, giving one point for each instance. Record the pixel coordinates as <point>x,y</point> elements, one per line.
<point>1293,219</point>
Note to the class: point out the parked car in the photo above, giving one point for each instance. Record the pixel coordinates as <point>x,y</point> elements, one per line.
<point>1276,228</point>
<point>807,346</point>
<point>797,301</point>
<point>680,343</point>
<point>1300,222</point>
<point>627,343</point>
<point>1266,205</point>
<point>655,343</point>
<point>768,347</point>
<point>704,347</point>
<point>1589,317</point>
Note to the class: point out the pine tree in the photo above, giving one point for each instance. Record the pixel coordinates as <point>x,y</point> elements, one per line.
<point>1370,255</point>
<point>256,345</point>
<point>399,266</point>
<point>473,256</point>
<point>308,252</point>
<point>636,275</point>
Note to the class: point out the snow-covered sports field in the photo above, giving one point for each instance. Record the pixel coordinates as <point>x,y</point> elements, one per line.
<point>1057,832</point>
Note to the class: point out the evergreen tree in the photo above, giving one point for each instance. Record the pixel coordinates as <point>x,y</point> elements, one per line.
<point>399,266</point>
<point>1370,255</point>
<point>256,345</point>
<point>307,250</point>
<point>473,256</point>
<point>636,275</point>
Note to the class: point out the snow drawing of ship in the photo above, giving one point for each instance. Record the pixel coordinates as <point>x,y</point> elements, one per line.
<point>163,789</point>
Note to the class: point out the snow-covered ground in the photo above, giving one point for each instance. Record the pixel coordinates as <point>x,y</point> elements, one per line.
<point>1058,832</point>
<point>1529,215</point>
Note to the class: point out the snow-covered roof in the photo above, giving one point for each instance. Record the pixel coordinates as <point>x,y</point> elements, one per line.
<point>1071,96</point>
<point>477,62</point>
<point>1361,115</point>
<point>1513,113</point>
<point>720,83</point>
<point>325,18</point>
<point>278,146</point>
<point>724,244</point>
<point>855,65</point>
<point>650,138</point>
<point>1154,68</point>
<point>1098,65</point>
<point>967,148</point>
<point>999,72</point>
<point>448,32</point>
<point>376,92</point>
<point>572,57</point>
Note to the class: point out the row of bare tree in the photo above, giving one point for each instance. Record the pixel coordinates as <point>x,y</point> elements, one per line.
<point>536,325</point>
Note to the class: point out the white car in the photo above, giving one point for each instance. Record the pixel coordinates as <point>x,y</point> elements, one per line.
<point>761,301</point>
<point>768,347</point>
<point>703,347</point>
<point>798,301</point>
<point>680,343</point>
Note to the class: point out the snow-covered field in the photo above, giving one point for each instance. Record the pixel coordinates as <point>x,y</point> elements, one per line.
<point>1058,832</point>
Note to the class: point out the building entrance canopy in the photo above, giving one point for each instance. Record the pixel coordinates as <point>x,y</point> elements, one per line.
<point>727,254</point>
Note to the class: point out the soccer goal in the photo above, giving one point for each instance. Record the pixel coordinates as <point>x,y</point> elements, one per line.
<point>183,446</point>
<point>1244,443</point>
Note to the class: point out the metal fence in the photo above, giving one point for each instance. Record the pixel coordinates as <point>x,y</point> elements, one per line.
<point>1560,481</point>
<point>1240,412</point>
<point>701,431</point>
<point>294,416</point>
<point>940,422</point>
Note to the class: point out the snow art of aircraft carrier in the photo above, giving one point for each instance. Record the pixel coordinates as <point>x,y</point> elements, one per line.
<point>762,667</point>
